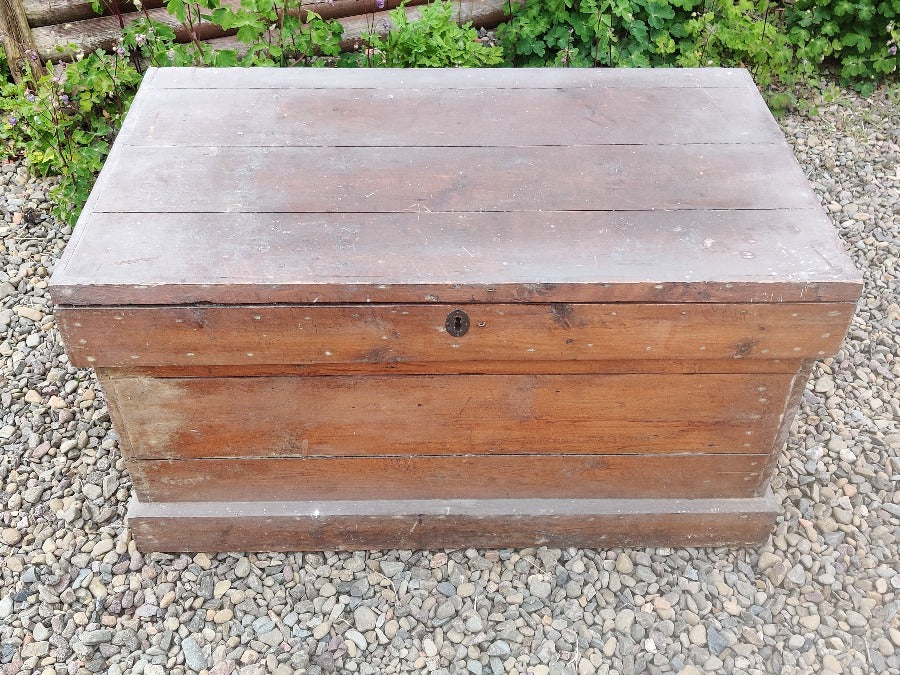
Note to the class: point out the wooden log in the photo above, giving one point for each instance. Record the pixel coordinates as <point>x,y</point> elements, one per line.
<point>197,418</point>
<point>677,476</point>
<point>17,39</point>
<point>241,335</point>
<point>53,40</point>
<point>481,13</point>
<point>51,12</point>
<point>456,523</point>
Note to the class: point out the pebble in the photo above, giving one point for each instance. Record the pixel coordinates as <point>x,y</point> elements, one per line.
<point>364,618</point>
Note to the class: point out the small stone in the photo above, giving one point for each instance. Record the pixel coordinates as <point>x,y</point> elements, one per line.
<point>767,560</point>
<point>321,630</point>
<point>466,589</point>
<point>429,647</point>
<point>624,620</point>
<point>10,536</point>
<point>242,567</point>
<point>273,638</point>
<point>499,648</point>
<point>856,620</point>
<point>31,396</point>
<point>832,664</point>
<point>223,668</point>
<point>364,618</point>
<point>35,650</point>
<point>715,640</point>
<point>327,590</point>
<point>810,621</point>
<point>33,494</point>
<point>357,638</point>
<point>391,568</point>
<point>624,565</point>
<point>474,624</point>
<point>539,588</point>
<point>6,606</point>
<point>796,641</point>
<point>193,655</point>
<point>697,635</point>
<point>223,616</point>
<point>29,313</point>
<point>609,647</point>
<point>96,637</point>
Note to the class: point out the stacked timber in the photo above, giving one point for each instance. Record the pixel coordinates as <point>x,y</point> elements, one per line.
<point>59,29</point>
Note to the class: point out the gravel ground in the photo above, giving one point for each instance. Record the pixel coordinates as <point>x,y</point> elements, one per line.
<point>819,597</point>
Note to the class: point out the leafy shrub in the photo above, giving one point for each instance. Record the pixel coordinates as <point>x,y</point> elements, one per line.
<point>273,35</point>
<point>65,120</point>
<point>434,41</point>
<point>650,33</point>
<point>861,37</point>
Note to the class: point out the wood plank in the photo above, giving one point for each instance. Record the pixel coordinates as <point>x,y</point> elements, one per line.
<point>452,117</point>
<point>404,78</point>
<point>680,476</point>
<point>446,415</point>
<point>239,335</point>
<point>435,524</point>
<point>49,12</point>
<point>599,256</point>
<point>608,367</point>
<point>429,179</point>
<point>790,409</point>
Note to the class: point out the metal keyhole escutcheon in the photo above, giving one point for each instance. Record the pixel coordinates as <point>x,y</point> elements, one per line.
<point>457,323</point>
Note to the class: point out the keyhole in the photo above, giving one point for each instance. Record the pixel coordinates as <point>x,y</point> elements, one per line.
<point>457,323</point>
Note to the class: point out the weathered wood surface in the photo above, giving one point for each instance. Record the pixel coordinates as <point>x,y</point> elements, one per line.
<point>442,78</point>
<point>455,523</point>
<point>16,39</point>
<point>448,477</point>
<point>599,367</point>
<point>598,185</point>
<point>390,179</point>
<point>662,256</point>
<point>443,118</point>
<point>783,428</point>
<point>445,415</point>
<point>246,335</point>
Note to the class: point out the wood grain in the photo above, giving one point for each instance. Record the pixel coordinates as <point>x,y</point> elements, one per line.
<point>224,179</point>
<point>447,415</point>
<point>436,524</point>
<point>598,256</point>
<point>608,367</point>
<point>246,335</point>
<point>443,117</point>
<point>448,477</point>
<point>405,78</point>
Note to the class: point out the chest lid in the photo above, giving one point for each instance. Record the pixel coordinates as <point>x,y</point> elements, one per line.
<point>262,186</point>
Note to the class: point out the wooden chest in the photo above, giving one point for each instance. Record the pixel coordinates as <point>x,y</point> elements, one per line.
<point>360,309</point>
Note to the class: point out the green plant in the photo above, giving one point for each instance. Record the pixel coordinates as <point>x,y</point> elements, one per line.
<point>861,37</point>
<point>272,33</point>
<point>650,33</point>
<point>64,120</point>
<point>436,40</point>
<point>5,74</point>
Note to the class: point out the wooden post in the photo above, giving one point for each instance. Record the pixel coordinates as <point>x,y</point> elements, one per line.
<point>17,38</point>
